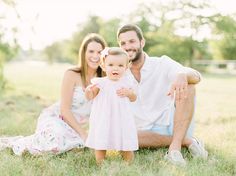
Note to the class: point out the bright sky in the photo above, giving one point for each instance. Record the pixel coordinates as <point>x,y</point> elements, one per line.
<point>57,19</point>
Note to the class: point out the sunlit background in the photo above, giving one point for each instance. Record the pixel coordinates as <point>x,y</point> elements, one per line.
<point>41,22</point>
<point>195,33</point>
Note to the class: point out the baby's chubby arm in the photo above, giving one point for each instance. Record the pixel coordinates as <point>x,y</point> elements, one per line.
<point>91,91</point>
<point>127,92</point>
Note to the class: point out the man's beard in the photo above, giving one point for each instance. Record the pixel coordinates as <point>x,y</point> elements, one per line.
<point>137,55</point>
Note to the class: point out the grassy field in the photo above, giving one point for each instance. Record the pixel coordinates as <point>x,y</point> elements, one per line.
<point>33,86</point>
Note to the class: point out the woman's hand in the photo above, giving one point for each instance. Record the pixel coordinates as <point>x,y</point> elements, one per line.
<point>83,135</point>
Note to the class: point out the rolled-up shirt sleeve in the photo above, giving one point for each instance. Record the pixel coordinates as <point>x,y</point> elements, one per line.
<point>173,67</point>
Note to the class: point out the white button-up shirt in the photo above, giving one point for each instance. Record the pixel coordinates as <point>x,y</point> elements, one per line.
<point>153,105</point>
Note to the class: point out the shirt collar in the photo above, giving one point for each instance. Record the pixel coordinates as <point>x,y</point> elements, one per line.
<point>146,66</point>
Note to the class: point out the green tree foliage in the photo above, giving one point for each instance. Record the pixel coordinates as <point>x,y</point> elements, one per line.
<point>162,24</point>
<point>59,52</point>
<point>6,51</point>
<point>108,31</point>
<point>92,25</point>
<point>2,80</point>
<point>68,50</point>
<point>175,29</point>
<point>225,37</point>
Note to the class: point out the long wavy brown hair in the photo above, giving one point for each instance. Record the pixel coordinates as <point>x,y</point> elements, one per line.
<point>82,65</point>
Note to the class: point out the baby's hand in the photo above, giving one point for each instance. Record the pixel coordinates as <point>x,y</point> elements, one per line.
<point>89,91</point>
<point>90,87</point>
<point>124,92</point>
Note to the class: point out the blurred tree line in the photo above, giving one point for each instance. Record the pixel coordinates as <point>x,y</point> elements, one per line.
<point>7,51</point>
<point>185,30</point>
<point>178,30</point>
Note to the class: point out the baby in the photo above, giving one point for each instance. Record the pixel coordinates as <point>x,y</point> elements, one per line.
<point>112,125</point>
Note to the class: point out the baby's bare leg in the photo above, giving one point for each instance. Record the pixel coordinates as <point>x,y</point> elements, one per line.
<point>100,156</point>
<point>127,156</point>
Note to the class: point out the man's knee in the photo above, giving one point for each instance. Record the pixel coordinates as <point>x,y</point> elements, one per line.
<point>191,91</point>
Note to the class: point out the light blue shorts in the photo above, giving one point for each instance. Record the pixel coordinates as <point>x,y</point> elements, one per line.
<point>168,130</point>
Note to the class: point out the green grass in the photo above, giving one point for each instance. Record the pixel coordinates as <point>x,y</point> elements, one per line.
<point>31,87</point>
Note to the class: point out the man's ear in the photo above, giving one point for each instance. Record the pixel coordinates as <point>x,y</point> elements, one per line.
<point>142,42</point>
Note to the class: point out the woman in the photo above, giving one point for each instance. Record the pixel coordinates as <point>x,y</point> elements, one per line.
<point>59,126</point>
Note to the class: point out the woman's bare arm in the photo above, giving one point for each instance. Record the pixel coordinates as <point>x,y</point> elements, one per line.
<point>69,82</point>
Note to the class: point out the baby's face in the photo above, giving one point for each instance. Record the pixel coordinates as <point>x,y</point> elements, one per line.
<point>115,66</point>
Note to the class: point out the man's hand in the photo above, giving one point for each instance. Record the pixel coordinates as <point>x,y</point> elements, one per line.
<point>179,87</point>
<point>125,92</point>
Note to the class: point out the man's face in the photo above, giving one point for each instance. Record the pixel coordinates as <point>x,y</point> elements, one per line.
<point>130,42</point>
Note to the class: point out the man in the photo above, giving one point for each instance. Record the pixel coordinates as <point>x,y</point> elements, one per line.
<point>165,104</point>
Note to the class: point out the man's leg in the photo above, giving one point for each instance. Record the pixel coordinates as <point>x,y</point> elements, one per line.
<point>150,139</point>
<point>182,118</point>
<point>185,112</point>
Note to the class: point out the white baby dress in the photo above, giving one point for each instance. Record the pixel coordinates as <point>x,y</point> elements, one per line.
<point>111,123</point>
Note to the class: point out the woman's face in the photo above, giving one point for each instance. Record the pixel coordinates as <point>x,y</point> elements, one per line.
<point>92,54</point>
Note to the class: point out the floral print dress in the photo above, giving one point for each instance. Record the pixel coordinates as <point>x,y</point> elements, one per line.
<point>52,134</point>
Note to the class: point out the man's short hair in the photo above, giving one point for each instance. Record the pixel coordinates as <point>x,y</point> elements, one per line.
<point>130,27</point>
